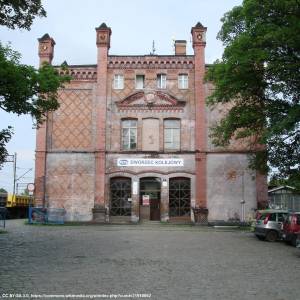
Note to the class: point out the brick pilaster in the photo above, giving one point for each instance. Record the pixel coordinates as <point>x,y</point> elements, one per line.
<point>198,35</point>
<point>103,43</point>
<point>46,52</point>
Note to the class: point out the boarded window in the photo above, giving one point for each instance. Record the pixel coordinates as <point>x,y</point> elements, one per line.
<point>150,135</point>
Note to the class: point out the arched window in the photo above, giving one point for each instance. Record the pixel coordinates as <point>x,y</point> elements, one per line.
<point>179,197</point>
<point>120,193</point>
<point>129,134</point>
<point>172,134</point>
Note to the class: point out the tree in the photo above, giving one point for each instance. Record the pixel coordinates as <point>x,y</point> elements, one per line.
<point>3,191</point>
<point>259,76</point>
<point>20,13</point>
<point>24,89</point>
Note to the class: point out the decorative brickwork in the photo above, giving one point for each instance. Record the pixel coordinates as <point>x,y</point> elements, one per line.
<point>70,183</point>
<point>72,122</point>
<point>80,73</point>
<point>150,62</point>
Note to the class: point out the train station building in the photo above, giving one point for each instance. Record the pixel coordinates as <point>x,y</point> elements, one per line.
<point>131,141</point>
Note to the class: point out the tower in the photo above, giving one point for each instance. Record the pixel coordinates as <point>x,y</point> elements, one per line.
<point>198,37</point>
<point>103,34</point>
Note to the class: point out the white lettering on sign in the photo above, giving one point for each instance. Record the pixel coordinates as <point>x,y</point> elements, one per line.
<point>150,162</point>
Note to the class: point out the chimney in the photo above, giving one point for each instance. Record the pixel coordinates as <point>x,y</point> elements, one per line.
<point>180,47</point>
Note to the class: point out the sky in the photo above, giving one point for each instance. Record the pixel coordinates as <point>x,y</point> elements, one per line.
<point>135,25</point>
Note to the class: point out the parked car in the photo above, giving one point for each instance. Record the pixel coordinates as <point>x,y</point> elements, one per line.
<point>291,228</point>
<point>268,225</point>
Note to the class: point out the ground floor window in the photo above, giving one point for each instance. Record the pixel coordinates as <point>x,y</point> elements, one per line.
<point>120,193</point>
<point>179,197</point>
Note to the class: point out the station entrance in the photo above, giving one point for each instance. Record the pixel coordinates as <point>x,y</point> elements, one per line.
<point>150,192</point>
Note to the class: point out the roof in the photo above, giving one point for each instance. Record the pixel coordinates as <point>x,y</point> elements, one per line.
<point>46,36</point>
<point>199,25</point>
<point>268,211</point>
<point>281,188</point>
<point>102,26</point>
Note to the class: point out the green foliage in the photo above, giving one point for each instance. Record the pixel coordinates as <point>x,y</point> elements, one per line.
<point>20,13</point>
<point>259,76</point>
<point>24,89</point>
<point>2,190</point>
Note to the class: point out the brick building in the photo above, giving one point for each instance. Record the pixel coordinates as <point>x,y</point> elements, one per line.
<point>130,141</point>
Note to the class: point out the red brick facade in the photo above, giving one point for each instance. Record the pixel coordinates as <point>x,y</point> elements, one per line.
<point>156,104</point>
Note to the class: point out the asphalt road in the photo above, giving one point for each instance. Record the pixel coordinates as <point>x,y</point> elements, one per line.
<point>157,261</point>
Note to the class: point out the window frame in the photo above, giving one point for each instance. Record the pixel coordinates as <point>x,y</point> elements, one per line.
<point>129,137</point>
<point>142,76</point>
<point>183,84</point>
<point>172,129</point>
<point>117,86</point>
<point>160,79</point>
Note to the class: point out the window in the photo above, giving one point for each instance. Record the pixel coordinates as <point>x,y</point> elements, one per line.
<point>172,134</point>
<point>140,82</point>
<point>183,81</point>
<point>179,197</point>
<point>129,134</point>
<point>120,192</point>
<point>118,82</point>
<point>161,81</point>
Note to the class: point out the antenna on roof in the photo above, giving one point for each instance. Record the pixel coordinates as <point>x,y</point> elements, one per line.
<point>173,43</point>
<point>153,48</point>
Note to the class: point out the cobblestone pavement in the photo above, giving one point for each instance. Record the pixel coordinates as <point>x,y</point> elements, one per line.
<point>170,262</point>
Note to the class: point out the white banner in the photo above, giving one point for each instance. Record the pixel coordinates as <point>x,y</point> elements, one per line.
<point>150,162</point>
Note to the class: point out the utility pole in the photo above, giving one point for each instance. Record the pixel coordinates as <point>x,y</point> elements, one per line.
<point>15,173</point>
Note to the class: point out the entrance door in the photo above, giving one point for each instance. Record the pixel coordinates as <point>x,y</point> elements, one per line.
<point>150,198</point>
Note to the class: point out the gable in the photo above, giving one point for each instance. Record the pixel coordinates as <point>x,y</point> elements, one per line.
<point>146,100</point>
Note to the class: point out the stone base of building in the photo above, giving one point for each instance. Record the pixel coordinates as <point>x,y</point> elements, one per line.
<point>99,214</point>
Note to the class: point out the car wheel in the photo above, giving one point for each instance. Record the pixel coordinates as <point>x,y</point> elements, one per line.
<point>294,241</point>
<point>272,236</point>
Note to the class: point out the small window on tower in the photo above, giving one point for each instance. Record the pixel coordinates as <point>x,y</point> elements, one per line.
<point>118,82</point>
<point>161,81</point>
<point>183,81</point>
<point>140,82</point>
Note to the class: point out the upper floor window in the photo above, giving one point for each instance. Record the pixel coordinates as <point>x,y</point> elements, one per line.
<point>129,134</point>
<point>172,134</point>
<point>161,81</point>
<point>118,82</point>
<point>183,81</point>
<point>139,82</point>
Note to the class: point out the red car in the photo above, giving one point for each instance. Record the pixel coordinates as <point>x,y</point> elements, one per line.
<point>291,228</point>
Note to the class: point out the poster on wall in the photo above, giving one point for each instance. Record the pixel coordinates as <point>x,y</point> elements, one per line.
<point>146,200</point>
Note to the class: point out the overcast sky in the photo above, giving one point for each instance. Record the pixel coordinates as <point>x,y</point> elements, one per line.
<point>134,23</point>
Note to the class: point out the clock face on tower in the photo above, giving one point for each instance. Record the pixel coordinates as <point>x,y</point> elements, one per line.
<point>199,36</point>
<point>43,48</point>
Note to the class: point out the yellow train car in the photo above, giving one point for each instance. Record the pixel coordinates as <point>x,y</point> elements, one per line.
<point>19,201</point>
<point>17,205</point>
